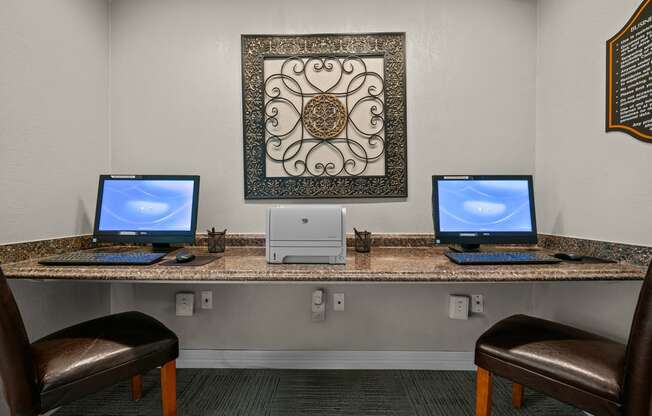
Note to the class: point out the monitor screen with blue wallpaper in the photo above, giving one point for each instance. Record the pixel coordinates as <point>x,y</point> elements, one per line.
<point>484,206</point>
<point>146,205</point>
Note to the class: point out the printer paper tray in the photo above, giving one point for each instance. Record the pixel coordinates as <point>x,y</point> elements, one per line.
<point>305,243</point>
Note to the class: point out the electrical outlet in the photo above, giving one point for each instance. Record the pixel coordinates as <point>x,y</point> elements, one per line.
<point>207,299</point>
<point>185,304</point>
<point>458,307</point>
<point>318,306</point>
<point>318,297</point>
<point>477,303</point>
<point>338,302</point>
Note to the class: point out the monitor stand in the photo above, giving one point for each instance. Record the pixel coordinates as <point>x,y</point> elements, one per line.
<point>465,248</point>
<point>163,248</point>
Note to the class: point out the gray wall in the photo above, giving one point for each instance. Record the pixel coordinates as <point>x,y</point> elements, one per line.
<point>175,81</point>
<point>605,308</point>
<point>176,84</point>
<point>53,141</point>
<point>391,317</point>
<point>411,317</point>
<point>54,134</point>
<point>590,184</point>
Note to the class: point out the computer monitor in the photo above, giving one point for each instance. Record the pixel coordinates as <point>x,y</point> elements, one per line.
<point>474,210</point>
<point>150,209</point>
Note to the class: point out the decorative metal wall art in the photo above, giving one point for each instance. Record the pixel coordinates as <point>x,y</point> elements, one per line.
<point>324,116</point>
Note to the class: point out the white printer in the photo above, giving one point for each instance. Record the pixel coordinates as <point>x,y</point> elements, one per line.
<point>306,234</point>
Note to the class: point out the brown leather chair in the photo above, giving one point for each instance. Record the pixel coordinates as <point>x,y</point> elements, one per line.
<point>81,359</point>
<point>588,371</point>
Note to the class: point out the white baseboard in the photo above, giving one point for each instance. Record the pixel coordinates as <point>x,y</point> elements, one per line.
<point>344,360</point>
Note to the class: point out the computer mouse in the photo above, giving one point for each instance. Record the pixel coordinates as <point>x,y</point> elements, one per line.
<point>185,257</point>
<point>568,256</point>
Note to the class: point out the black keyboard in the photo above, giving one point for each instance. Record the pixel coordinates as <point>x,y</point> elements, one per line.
<point>506,257</point>
<point>89,258</point>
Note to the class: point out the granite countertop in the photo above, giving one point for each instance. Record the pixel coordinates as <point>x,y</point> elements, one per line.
<point>383,264</point>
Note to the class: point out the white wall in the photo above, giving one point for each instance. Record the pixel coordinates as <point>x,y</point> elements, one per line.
<point>605,308</point>
<point>53,141</point>
<point>53,116</point>
<point>590,184</point>
<point>471,93</point>
<point>176,107</point>
<point>176,93</point>
<point>378,317</point>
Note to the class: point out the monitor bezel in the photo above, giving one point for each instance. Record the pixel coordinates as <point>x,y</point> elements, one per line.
<point>147,237</point>
<point>499,237</point>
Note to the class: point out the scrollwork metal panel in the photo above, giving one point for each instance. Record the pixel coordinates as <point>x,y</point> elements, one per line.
<point>324,116</point>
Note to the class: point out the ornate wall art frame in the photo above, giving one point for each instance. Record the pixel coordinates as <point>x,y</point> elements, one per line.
<point>324,116</point>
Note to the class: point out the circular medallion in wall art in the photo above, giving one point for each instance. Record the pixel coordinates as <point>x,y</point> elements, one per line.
<point>324,116</point>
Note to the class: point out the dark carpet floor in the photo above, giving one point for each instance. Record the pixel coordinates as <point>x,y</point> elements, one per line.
<point>231,392</point>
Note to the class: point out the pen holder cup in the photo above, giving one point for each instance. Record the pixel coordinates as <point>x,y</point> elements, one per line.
<point>216,241</point>
<point>362,241</point>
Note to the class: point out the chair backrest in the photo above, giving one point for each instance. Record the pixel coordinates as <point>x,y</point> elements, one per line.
<point>16,368</point>
<point>638,368</point>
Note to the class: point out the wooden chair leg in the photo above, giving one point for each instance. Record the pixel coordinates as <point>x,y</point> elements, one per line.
<point>517,395</point>
<point>169,388</point>
<point>483,393</point>
<point>136,387</point>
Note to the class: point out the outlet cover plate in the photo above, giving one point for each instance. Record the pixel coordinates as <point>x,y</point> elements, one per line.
<point>207,299</point>
<point>338,302</point>
<point>477,303</point>
<point>185,304</point>
<point>459,307</point>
